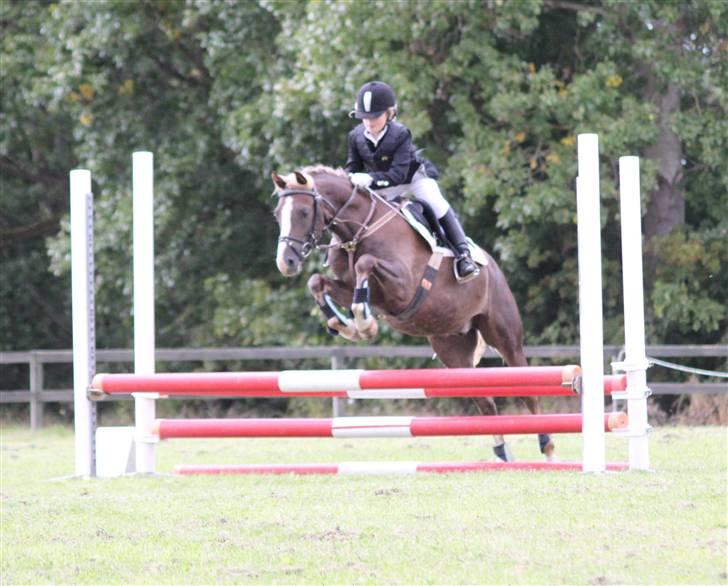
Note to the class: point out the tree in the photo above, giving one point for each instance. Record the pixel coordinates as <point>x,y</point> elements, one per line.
<point>161,78</point>
<point>35,154</point>
<point>498,93</point>
<point>671,56</point>
<point>224,92</point>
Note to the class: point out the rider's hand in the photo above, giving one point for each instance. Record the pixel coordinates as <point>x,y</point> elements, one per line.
<point>360,179</point>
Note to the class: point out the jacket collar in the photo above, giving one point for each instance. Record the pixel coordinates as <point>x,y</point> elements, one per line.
<point>375,140</point>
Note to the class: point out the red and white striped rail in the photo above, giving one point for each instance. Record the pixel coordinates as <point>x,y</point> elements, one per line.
<point>348,427</point>
<point>382,468</point>
<point>406,393</point>
<point>381,384</point>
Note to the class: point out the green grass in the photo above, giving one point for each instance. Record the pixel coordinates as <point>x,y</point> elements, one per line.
<point>662,527</point>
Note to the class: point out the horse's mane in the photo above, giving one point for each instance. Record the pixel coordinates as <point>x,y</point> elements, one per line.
<point>324,170</point>
<point>309,173</point>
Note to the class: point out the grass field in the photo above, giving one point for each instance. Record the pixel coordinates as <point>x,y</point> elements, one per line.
<point>663,527</point>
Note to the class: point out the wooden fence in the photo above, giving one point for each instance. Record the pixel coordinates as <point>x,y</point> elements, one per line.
<point>337,356</point>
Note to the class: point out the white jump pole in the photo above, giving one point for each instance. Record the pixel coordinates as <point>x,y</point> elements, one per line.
<point>144,342</point>
<point>591,337</point>
<point>84,340</point>
<point>635,362</point>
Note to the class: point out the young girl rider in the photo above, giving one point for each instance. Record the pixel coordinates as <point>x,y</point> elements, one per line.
<point>382,157</point>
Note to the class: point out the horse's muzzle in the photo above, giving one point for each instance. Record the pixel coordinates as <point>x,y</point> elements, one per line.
<point>288,260</point>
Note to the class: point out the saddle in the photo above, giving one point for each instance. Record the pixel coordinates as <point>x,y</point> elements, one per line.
<point>420,216</point>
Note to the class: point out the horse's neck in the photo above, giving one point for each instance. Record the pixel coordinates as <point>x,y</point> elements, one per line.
<point>379,227</point>
<point>363,209</point>
<point>353,214</point>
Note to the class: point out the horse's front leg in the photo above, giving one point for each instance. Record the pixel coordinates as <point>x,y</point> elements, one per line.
<point>366,323</point>
<point>325,290</point>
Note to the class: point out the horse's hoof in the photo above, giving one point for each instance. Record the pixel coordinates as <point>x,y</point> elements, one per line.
<point>369,330</point>
<point>546,444</point>
<point>548,447</point>
<point>347,330</point>
<point>549,452</point>
<point>503,453</point>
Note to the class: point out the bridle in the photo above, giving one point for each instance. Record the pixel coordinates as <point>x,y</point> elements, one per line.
<point>305,247</point>
<point>312,242</point>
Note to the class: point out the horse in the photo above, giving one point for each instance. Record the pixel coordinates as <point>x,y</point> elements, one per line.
<point>383,268</point>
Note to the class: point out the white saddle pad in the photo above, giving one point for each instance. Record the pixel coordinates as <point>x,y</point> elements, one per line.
<point>476,252</point>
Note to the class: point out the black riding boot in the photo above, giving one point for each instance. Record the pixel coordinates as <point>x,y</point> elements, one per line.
<point>465,269</point>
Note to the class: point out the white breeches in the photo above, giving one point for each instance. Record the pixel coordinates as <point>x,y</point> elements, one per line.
<point>422,187</point>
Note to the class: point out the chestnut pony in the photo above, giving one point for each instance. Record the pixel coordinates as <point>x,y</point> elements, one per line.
<point>383,268</point>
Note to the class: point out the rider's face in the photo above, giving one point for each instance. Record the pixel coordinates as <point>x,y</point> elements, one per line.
<point>375,125</point>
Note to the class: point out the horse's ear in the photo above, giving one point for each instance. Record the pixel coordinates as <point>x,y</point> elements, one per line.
<point>301,178</point>
<point>278,180</point>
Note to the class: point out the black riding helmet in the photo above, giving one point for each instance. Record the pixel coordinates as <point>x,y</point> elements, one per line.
<point>373,99</point>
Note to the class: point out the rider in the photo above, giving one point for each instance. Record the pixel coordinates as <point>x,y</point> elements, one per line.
<point>382,156</point>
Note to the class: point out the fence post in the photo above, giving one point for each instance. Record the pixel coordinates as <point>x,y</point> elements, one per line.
<point>635,362</point>
<point>84,329</point>
<point>591,337</point>
<point>337,404</point>
<point>144,341</point>
<point>36,386</point>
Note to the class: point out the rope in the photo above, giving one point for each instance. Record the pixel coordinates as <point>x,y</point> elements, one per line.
<point>674,366</point>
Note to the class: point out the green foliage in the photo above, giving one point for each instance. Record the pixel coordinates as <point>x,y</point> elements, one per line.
<point>162,79</point>
<point>35,153</point>
<point>224,92</point>
<point>689,285</point>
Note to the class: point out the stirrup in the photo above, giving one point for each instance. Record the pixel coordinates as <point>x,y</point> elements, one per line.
<point>460,278</point>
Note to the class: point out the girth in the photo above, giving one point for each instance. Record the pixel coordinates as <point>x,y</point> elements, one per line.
<point>423,287</point>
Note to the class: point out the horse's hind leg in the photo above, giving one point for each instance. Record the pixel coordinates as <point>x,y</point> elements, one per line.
<point>487,406</point>
<point>465,351</point>
<point>507,338</point>
<point>545,443</point>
